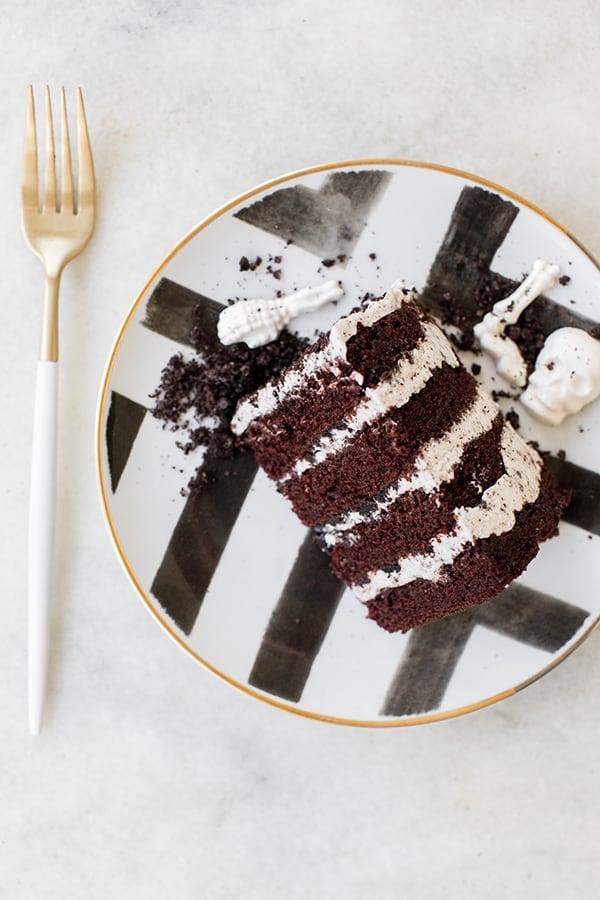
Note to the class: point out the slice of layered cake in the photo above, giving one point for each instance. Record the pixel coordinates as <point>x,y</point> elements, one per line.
<point>425,498</point>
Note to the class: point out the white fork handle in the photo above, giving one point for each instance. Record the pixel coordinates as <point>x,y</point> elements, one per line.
<point>41,535</point>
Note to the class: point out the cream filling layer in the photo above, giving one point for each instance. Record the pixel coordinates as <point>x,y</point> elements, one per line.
<point>433,467</point>
<point>272,395</point>
<point>494,515</point>
<point>268,398</point>
<point>408,378</point>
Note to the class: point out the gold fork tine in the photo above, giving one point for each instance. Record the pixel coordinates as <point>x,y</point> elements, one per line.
<point>50,191</point>
<point>66,189</point>
<point>30,191</point>
<point>86,180</point>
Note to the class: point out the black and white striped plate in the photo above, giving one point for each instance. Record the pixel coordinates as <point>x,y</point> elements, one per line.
<point>230,574</point>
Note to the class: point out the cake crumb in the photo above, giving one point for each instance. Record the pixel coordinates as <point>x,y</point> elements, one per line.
<point>512,416</point>
<point>247,266</point>
<point>197,397</point>
<point>503,395</point>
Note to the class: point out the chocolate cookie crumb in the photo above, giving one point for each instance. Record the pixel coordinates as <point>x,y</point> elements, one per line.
<point>512,416</point>
<point>498,395</point>
<point>197,397</point>
<point>247,266</point>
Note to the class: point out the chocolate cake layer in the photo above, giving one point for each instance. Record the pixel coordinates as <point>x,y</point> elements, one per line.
<point>383,451</point>
<point>321,396</point>
<point>280,437</point>
<point>374,351</point>
<point>481,572</point>
<point>408,526</point>
<point>480,467</point>
<point>416,517</point>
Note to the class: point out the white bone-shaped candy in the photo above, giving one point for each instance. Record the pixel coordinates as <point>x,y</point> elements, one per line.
<point>490,331</point>
<point>257,322</point>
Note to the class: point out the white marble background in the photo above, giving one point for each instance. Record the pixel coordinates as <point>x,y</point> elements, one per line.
<point>151,779</point>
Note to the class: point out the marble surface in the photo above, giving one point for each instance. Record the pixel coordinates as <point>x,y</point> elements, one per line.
<point>151,778</point>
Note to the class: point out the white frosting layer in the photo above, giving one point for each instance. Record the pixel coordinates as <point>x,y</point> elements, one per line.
<point>257,322</point>
<point>408,378</point>
<point>271,395</point>
<point>434,466</point>
<point>494,515</point>
<point>268,398</point>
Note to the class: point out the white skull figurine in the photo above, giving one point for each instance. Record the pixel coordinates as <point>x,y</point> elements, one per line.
<point>566,376</point>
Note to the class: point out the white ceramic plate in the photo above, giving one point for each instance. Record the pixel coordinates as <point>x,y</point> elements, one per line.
<point>231,575</point>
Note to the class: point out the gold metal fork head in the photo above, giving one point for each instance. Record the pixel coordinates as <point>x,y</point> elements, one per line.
<point>59,214</point>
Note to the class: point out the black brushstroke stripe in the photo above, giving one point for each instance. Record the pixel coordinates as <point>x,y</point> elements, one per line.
<point>199,539</point>
<point>536,619</point>
<point>326,222</point>
<point>584,508</point>
<point>547,316</point>
<point>433,651</point>
<point>427,667</point>
<point>169,312</point>
<point>123,423</point>
<point>478,225</point>
<point>298,625</point>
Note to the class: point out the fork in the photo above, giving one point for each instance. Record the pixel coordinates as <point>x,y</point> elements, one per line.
<point>58,219</point>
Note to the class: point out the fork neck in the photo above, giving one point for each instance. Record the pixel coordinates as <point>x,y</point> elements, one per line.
<point>49,338</point>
